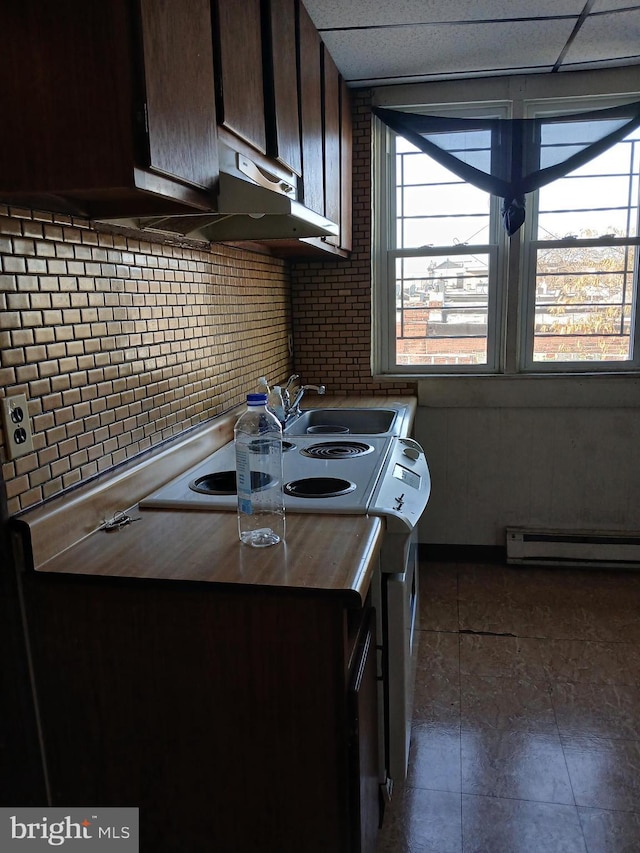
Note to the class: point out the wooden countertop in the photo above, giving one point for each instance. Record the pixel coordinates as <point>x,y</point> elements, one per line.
<point>331,554</point>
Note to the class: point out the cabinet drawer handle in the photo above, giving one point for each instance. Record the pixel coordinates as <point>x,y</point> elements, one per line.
<point>265,179</point>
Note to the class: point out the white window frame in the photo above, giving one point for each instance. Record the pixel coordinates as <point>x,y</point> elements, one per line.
<point>510,320</point>
<point>535,109</point>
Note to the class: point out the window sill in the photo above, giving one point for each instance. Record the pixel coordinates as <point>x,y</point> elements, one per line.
<point>564,391</point>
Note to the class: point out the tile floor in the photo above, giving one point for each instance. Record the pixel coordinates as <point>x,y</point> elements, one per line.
<point>526,727</point>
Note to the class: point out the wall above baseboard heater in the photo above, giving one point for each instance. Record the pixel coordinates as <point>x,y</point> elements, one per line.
<point>573,548</point>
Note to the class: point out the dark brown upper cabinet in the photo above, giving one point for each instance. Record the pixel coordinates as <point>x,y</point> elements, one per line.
<point>346,168</point>
<point>310,66</point>
<point>326,137</point>
<point>281,89</point>
<point>239,70</point>
<point>256,88</point>
<point>109,107</point>
<point>337,135</point>
<point>178,66</point>
<point>331,139</point>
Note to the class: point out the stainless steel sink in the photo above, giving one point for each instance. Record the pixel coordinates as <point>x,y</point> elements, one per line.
<point>362,421</point>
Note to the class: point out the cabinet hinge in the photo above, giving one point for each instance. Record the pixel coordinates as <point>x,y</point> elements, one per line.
<point>142,117</point>
<point>386,789</point>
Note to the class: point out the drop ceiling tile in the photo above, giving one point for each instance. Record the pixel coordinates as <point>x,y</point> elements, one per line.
<point>427,52</point>
<point>372,13</point>
<point>613,5</point>
<point>603,37</point>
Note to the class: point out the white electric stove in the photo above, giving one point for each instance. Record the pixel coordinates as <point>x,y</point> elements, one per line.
<point>334,474</point>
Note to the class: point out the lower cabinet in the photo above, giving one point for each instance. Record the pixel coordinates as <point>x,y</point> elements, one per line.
<point>236,719</point>
<point>363,718</point>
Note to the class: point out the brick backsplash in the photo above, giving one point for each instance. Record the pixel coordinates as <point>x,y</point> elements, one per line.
<point>332,300</point>
<point>120,343</point>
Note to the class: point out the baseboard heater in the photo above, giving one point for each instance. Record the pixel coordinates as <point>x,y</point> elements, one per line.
<point>573,548</point>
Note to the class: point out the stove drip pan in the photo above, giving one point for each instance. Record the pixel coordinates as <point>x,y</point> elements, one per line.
<point>319,487</point>
<point>337,450</point>
<point>225,483</point>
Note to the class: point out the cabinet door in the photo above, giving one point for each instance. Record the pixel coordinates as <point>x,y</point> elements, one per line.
<point>58,63</point>
<point>283,119</point>
<point>309,50</point>
<point>239,77</point>
<point>363,705</point>
<point>180,94</point>
<point>331,135</point>
<point>75,136</point>
<point>346,169</point>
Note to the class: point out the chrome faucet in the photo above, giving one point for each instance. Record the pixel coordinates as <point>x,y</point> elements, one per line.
<point>286,394</point>
<point>292,409</point>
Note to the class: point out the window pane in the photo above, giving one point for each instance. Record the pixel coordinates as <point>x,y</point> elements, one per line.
<point>592,206</point>
<point>403,145</point>
<point>587,223</point>
<point>442,231</point>
<point>471,147</point>
<point>585,193</point>
<point>452,199</point>
<point>563,139</point>
<point>442,310</point>
<point>598,199</point>
<point>435,208</point>
<point>420,169</point>
<point>583,303</point>
<point>613,161</point>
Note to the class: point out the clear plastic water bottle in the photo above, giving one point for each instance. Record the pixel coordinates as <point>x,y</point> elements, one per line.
<point>258,445</point>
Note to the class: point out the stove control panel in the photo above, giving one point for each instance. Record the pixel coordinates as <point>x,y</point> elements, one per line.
<point>411,478</point>
<point>411,453</point>
<point>404,486</point>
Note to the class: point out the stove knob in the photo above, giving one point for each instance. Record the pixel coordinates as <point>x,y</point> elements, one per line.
<point>411,453</point>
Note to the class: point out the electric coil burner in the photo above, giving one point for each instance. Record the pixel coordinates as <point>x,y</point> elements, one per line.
<point>319,487</point>
<point>337,450</point>
<point>225,482</point>
<point>259,445</point>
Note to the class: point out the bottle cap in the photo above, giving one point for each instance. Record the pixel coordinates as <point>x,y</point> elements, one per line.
<point>256,399</point>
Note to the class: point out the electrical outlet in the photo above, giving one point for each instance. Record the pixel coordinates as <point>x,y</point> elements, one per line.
<point>17,426</point>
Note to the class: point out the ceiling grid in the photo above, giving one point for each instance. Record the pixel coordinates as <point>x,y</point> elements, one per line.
<point>411,41</point>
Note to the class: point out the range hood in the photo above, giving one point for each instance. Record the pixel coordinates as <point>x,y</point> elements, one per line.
<point>252,205</point>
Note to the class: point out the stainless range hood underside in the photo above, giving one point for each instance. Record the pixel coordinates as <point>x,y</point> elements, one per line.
<point>246,211</point>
